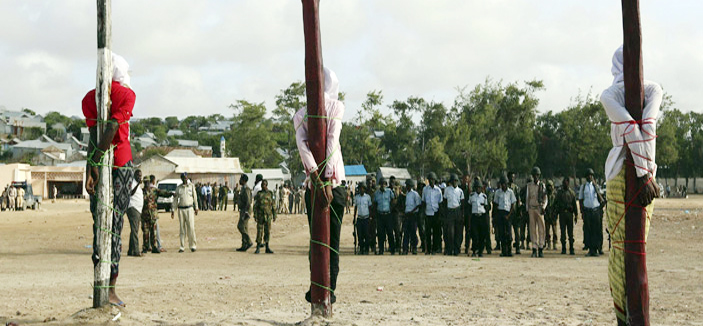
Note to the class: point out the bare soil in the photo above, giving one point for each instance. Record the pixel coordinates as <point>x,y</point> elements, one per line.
<point>46,276</point>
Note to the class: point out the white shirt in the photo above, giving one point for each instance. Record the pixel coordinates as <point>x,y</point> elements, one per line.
<point>587,193</point>
<point>257,188</point>
<point>334,166</point>
<point>641,140</point>
<point>504,200</point>
<point>137,200</point>
<point>477,201</point>
<point>432,196</point>
<point>454,196</point>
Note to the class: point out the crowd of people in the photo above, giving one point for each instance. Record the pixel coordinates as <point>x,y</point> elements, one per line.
<point>12,198</point>
<point>438,216</point>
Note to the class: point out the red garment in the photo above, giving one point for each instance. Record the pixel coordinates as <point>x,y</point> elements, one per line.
<point>121,110</point>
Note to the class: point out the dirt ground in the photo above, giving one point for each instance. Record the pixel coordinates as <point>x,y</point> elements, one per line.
<point>46,276</point>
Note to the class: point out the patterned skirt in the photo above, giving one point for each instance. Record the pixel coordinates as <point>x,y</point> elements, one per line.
<point>615,214</point>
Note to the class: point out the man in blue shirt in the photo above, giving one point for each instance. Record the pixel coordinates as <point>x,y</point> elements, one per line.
<point>411,210</point>
<point>431,199</point>
<point>592,214</point>
<point>362,206</point>
<point>480,230</point>
<point>453,219</point>
<point>504,200</point>
<point>384,220</point>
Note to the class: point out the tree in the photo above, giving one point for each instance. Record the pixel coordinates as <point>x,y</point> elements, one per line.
<point>251,137</point>
<point>288,102</point>
<point>172,122</point>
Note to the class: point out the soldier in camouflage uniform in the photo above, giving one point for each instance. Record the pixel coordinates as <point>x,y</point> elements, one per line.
<point>150,215</point>
<point>550,217</point>
<point>566,209</point>
<point>264,213</point>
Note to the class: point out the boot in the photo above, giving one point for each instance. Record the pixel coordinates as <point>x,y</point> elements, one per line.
<point>497,246</point>
<point>522,244</point>
<point>534,253</point>
<point>258,249</point>
<point>517,248</point>
<point>541,254</point>
<point>554,244</point>
<point>563,248</point>
<point>508,250</point>
<point>268,250</point>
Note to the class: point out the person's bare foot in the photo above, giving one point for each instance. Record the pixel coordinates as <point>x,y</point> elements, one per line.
<point>115,300</point>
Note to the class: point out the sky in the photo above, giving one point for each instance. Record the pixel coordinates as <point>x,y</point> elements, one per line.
<point>198,57</point>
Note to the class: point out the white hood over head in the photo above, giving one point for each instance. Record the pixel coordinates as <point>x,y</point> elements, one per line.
<point>331,84</point>
<point>120,70</point>
<point>617,70</point>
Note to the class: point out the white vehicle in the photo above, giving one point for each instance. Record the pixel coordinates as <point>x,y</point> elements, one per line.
<point>167,185</point>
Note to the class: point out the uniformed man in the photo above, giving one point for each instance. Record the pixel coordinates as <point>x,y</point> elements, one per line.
<point>516,219</point>
<point>224,190</point>
<point>11,198</point>
<point>566,210</point>
<point>421,216</point>
<point>453,219</point>
<point>186,203</point>
<point>592,214</point>
<point>412,204</point>
<point>373,217</point>
<point>362,210</point>
<point>431,200</point>
<point>536,202</point>
<point>20,198</point>
<point>150,215</point>
<point>264,214</point>
<point>466,188</point>
<point>550,218</point>
<point>504,200</point>
<point>480,230</point>
<point>398,208</point>
<point>244,203</point>
<point>385,224</point>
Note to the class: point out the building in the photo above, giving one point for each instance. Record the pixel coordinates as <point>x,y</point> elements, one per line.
<point>174,133</point>
<point>199,169</point>
<point>275,177</point>
<point>355,174</point>
<point>14,172</point>
<point>187,143</point>
<point>36,147</point>
<point>400,174</point>
<point>68,180</point>
<point>15,122</point>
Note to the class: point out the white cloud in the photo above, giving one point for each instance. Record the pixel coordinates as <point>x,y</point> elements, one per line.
<point>197,57</point>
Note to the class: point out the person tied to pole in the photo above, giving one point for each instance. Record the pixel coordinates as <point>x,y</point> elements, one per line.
<point>115,134</point>
<point>185,203</point>
<point>640,138</point>
<point>329,175</point>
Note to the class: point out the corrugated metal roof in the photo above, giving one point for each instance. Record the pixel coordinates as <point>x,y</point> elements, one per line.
<point>270,174</point>
<point>352,170</point>
<point>399,173</point>
<point>206,164</point>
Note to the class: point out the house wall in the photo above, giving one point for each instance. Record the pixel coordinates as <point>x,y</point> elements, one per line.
<point>160,168</point>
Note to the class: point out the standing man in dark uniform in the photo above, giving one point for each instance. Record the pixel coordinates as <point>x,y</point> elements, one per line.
<point>504,205</point>
<point>480,230</point>
<point>412,203</point>
<point>516,216</point>
<point>566,210</point>
<point>244,215</point>
<point>398,205</point>
<point>592,214</point>
<point>550,218</point>
<point>453,219</point>
<point>421,216</point>
<point>466,188</point>
<point>383,199</point>
<point>431,200</point>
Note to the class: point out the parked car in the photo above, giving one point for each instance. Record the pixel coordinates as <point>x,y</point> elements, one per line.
<point>168,185</point>
<point>30,200</point>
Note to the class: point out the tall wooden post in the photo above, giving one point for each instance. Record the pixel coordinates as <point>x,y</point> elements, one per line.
<point>636,285</point>
<point>103,222</point>
<point>317,138</point>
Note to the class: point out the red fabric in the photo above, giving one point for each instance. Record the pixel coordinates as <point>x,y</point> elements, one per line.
<point>121,110</point>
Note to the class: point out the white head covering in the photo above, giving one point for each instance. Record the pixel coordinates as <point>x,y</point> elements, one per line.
<point>331,84</point>
<point>618,75</point>
<point>120,70</point>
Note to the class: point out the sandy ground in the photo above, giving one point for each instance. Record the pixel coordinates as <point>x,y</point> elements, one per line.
<point>46,276</point>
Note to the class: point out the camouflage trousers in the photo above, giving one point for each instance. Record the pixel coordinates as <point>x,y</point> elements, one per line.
<point>263,230</point>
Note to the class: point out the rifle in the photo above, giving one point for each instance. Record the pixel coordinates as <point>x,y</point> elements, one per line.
<point>354,233</point>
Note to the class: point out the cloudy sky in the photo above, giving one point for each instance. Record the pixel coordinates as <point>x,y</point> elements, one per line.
<point>197,57</point>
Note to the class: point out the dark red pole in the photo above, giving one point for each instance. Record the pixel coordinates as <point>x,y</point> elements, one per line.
<point>636,285</point>
<point>317,140</point>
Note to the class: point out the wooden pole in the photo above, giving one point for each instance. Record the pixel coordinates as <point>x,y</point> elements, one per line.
<point>103,221</point>
<point>636,285</point>
<point>317,138</point>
